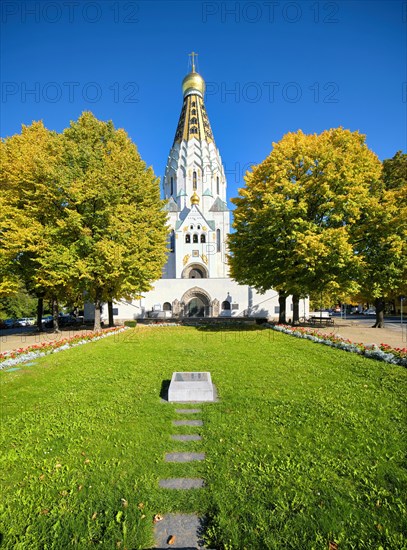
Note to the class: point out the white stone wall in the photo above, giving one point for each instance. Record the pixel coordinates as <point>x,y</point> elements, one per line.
<point>245,299</point>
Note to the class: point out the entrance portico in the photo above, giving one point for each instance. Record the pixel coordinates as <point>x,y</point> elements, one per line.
<point>196,302</point>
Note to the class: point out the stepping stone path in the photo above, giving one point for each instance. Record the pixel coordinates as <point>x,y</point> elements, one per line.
<point>184,528</point>
<point>181,483</point>
<point>184,457</point>
<point>181,530</point>
<point>192,437</point>
<point>187,423</point>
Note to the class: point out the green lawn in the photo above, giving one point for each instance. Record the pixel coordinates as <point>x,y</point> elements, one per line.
<point>306,446</point>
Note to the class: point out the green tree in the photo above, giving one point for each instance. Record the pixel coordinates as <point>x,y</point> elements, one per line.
<point>295,218</point>
<point>383,239</point>
<point>395,171</point>
<point>18,304</point>
<point>114,217</point>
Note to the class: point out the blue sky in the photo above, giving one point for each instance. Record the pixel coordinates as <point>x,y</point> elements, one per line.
<point>270,67</point>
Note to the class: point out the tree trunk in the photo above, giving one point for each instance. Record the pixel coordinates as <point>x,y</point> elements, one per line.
<point>55,312</point>
<point>282,297</point>
<point>98,306</point>
<point>379,304</point>
<point>296,309</point>
<point>40,310</point>
<point>110,312</point>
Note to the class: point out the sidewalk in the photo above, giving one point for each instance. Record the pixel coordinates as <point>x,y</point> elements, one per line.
<point>358,332</point>
<point>24,339</point>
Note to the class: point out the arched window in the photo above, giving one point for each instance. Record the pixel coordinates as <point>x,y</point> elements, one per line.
<point>172,241</point>
<point>198,227</point>
<point>193,104</point>
<point>203,238</point>
<point>196,273</point>
<point>172,185</point>
<point>191,226</point>
<point>217,185</point>
<point>195,238</point>
<point>226,305</point>
<point>167,306</point>
<point>188,238</point>
<point>218,240</point>
<point>194,120</point>
<point>194,182</point>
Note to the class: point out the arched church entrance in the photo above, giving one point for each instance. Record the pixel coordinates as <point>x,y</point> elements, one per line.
<point>195,271</point>
<point>197,303</point>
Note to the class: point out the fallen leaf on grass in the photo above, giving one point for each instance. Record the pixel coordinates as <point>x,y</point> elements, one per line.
<point>140,506</point>
<point>44,512</point>
<point>157,518</point>
<point>64,493</point>
<point>94,516</point>
<point>86,461</point>
<point>124,503</point>
<point>80,487</point>
<point>41,477</point>
<point>333,545</point>
<point>171,539</point>
<point>58,465</point>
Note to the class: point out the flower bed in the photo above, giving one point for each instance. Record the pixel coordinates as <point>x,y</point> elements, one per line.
<point>23,355</point>
<point>381,352</point>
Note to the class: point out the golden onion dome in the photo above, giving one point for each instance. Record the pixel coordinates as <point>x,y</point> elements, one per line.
<point>195,198</point>
<point>193,81</point>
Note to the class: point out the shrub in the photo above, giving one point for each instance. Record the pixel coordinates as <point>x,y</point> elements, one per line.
<point>131,324</point>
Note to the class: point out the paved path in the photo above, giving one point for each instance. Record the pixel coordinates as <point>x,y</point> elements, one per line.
<point>361,331</point>
<point>181,530</point>
<point>22,338</point>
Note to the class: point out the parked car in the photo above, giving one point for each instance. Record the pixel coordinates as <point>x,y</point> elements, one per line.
<point>25,322</point>
<point>47,321</point>
<point>370,311</point>
<point>9,323</point>
<point>67,319</point>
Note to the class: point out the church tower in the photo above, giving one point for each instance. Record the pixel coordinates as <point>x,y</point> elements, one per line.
<point>195,187</point>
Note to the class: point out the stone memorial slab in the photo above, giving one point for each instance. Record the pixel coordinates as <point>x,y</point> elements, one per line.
<point>191,387</point>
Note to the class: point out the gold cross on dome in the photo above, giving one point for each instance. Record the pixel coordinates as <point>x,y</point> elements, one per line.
<point>193,55</point>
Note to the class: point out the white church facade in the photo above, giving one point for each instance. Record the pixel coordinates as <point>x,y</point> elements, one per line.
<point>195,280</point>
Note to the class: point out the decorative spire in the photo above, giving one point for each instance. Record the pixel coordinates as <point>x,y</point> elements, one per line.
<point>192,55</point>
<point>193,121</point>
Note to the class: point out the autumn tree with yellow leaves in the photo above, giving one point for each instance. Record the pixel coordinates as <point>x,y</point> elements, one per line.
<point>81,214</point>
<point>31,205</point>
<point>114,215</point>
<point>297,219</point>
